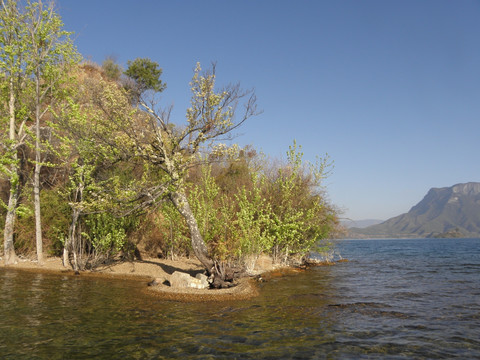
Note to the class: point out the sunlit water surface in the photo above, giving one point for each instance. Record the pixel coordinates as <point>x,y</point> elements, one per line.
<point>394,299</point>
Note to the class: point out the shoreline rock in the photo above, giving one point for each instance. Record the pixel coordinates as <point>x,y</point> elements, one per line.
<point>182,280</point>
<point>244,289</point>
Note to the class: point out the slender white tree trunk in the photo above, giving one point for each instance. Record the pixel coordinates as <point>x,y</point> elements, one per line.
<point>36,177</point>
<point>65,254</point>
<point>9,250</point>
<point>38,219</point>
<point>72,245</point>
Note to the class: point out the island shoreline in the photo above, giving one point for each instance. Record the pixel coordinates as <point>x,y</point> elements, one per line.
<point>159,270</point>
<point>145,271</point>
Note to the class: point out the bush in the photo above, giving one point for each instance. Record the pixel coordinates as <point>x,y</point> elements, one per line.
<point>56,218</point>
<point>107,234</point>
<point>242,212</point>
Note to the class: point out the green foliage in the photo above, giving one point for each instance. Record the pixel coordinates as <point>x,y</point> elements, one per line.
<point>209,207</point>
<point>56,218</point>
<point>302,217</point>
<point>285,214</point>
<point>203,199</point>
<point>118,159</point>
<point>35,56</point>
<point>25,231</point>
<point>146,75</point>
<point>14,86</point>
<point>82,190</point>
<point>248,208</point>
<point>176,240</point>
<point>51,48</point>
<point>106,233</point>
<point>254,220</point>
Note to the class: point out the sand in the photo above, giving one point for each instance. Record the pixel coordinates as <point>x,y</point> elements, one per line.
<point>147,270</point>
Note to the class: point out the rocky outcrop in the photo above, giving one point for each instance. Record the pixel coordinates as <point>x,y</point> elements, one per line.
<point>183,280</point>
<point>441,211</point>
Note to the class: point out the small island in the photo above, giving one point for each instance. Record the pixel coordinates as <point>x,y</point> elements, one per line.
<point>157,275</point>
<point>96,176</point>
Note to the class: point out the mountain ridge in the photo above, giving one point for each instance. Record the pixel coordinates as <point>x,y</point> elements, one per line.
<point>363,223</point>
<point>446,211</point>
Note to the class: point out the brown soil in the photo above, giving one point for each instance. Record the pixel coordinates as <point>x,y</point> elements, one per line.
<point>147,270</point>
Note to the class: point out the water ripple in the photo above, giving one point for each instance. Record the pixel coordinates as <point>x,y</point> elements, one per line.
<point>399,299</point>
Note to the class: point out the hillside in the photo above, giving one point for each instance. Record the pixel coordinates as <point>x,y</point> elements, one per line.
<point>443,212</point>
<point>360,223</point>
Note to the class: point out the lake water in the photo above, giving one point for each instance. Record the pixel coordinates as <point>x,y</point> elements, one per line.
<point>394,299</point>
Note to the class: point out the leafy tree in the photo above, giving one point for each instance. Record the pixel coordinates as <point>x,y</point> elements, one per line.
<point>84,188</point>
<point>13,75</point>
<point>144,75</point>
<point>50,56</point>
<point>34,54</point>
<point>148,135</point>
<point>214,212</point>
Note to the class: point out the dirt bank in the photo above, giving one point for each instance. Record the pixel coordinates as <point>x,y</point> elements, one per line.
<point>145,271</point>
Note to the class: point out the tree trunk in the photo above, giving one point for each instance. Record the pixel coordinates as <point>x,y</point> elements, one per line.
<point>9,250</point>
<point>36,179</point>
<point>38,219</point>
<point>65,253</point>
<point>198,244</point>
<point>71,243</point>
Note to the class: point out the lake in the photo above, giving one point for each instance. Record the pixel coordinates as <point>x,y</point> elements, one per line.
<point>393,299</point>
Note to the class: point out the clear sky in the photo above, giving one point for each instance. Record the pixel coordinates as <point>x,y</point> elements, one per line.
<point>389,89</point>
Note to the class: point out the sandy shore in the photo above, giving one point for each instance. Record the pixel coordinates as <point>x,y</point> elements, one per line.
<point>147,270</point>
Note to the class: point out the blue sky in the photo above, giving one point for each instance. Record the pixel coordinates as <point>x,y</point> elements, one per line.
<point>389,89</point>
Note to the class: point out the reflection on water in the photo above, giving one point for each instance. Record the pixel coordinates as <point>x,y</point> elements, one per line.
<point>393,299</point>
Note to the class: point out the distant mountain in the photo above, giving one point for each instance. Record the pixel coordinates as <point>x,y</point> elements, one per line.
<point>361,223</point>
<point>443,212</point>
